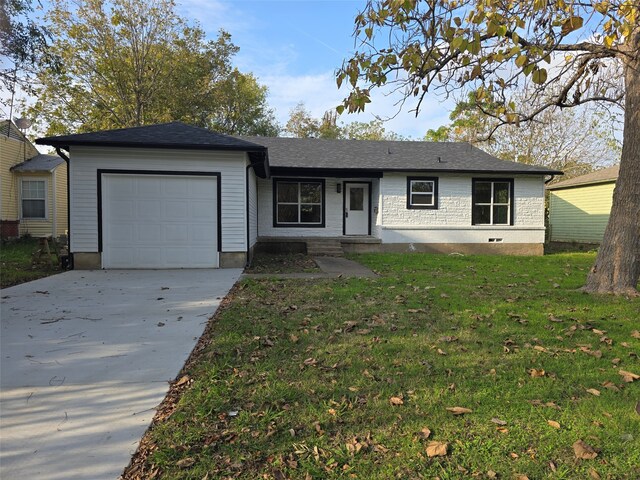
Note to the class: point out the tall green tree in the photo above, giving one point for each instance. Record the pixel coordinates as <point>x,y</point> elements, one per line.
<point>127,63</point>
<point>302,124</point>
<point>23,45</point>
<point>494,48</point>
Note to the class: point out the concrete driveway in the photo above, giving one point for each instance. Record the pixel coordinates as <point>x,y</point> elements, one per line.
<point>85,359</point>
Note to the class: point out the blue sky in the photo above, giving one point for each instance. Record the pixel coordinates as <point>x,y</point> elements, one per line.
<point>294,47</point>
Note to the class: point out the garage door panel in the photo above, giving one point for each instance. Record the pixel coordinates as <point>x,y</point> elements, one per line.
<point>159,221</point>
<point>202,234</point>
<point>147,208</point>
<point>151,189</point>
<point>176,234</point>
<point>177,210</point>
<point>150,235</point>
<point>201,210</point>
<point>121,233</point>
<point>179,188</point>
<point>124,188</point>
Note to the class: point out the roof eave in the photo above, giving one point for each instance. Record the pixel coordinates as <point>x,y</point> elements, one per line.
<point>581,184</point>
<point>283,169</point>
<point>66,145</point>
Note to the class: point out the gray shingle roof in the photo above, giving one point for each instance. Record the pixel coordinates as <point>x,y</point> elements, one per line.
<point>601,176</point>
<point>8,129</point>
<point>315,153</point>
<point>39,163</point>
<point>165,135</point>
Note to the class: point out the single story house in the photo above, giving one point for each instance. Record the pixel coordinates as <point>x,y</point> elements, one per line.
<point>177,196</point>
<point>579,208</point>
<point>33,188</point>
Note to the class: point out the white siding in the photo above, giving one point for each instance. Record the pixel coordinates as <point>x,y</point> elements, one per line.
<point>451,221</point>
<point>85,161</point>
<point>333,211</point>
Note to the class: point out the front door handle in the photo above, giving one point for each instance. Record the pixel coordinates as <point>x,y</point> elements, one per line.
<point>346,213</point>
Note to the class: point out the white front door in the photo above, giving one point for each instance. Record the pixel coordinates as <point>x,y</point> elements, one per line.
<point>356,209</point>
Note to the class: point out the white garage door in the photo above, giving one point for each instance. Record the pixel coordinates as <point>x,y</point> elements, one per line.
<point>159,221</point>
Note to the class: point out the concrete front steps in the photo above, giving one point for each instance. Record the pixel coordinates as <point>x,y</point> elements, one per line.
<point>324,247</point>
<point>319,246</point>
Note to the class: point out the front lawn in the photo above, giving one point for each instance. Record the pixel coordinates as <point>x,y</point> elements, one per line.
<point>17,263</point>
<point>354,378</point>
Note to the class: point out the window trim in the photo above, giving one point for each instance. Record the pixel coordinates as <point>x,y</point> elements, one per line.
<point>411,206</point>
<point>323,202</point>
<point>46,198</point>
<point>511,205</point>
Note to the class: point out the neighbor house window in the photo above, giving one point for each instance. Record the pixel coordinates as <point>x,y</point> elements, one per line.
<point>298,203</point>
<point>422,192</point>
<point>33,199</point>
<point>492,202</point>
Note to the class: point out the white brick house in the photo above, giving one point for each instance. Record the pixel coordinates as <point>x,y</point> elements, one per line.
<point>176,196</point>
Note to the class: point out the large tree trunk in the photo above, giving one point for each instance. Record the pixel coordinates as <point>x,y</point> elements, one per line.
<point>617,265</point>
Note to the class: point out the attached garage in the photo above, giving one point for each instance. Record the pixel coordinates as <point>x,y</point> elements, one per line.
<point>160,196</point>
<point>159,221</point>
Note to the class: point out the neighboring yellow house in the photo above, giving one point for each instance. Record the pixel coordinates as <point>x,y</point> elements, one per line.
<point>579,207</point>
<point>33,188</point>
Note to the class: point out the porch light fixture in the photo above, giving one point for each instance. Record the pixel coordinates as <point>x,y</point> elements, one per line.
<point>338,187</point>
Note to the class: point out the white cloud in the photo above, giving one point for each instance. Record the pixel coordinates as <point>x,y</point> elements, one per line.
<point>319,93</point>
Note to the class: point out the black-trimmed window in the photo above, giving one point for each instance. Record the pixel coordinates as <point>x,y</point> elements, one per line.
<point>34,199</point>
<point>492,201</point>
<point>422,192</point>
<point>298,203</point>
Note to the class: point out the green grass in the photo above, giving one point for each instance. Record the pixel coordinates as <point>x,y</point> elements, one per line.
<point>310,367</point>
<point>16,263</point>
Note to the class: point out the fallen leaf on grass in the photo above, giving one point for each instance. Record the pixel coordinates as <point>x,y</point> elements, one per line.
<point>492,474</point>
<point>553,423</point>
<point>628,376</point>
<point>425,433</point>
<point>185,462</point>
<point>593,391</point>
<point>448,339</point>
<point>584,451</point>
<point>497,421</point>
<point>437,449</point>
<point>593,474</point>
<point>459,410</point>
<point>535,373</point>
<point>638,408</point>
<point>184,379</point>
<point>636,334</point>
<point>521,477</point>
<point>396,401</point>
<point>610,385</point>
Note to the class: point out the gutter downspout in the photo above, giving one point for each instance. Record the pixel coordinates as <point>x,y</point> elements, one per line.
<point>66,159</point>
<point>53,201</point>
<point>551,177</point>
<point>246,189</point>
